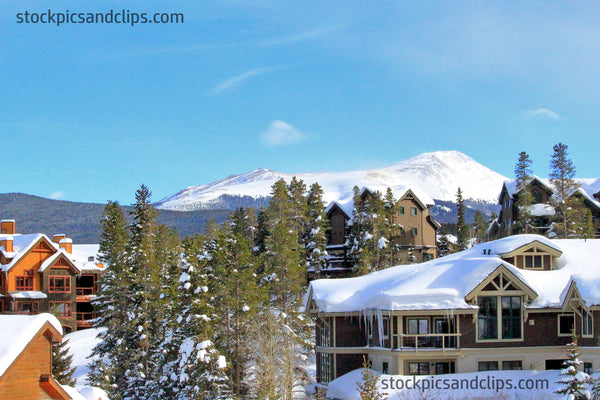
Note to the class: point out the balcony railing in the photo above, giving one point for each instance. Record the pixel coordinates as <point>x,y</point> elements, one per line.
<point>429,341</point>
<point>84,316</point>
<point>85,291</point>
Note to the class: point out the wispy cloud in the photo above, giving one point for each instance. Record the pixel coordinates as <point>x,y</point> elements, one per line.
<point>301,37</point>
<point>56,195</point>
<point>541,112</point>
<point>280,133</point>
<point>238,80</point>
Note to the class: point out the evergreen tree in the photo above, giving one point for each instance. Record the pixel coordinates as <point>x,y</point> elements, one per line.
<point>107,371</point>
<point>462,239</point>
<point>237,297</point>
<point>524,198</point>
<point>443,244</point>
<point>62,368</point>
<point>315,241</point>
<point>572,379</point>
<point>285,269</point>
<point>480,227</point>
<point>562,174</point>
<point>359,234</point>
<point>391,231</point>
<point>367,388</point>
<point>194,369</point>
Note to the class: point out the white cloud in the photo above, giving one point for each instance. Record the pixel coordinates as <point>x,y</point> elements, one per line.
<point>280,133</point>
<point>541,112</point>
<point>238,80</point>
<point>56,195</point>
<point>302,37</point>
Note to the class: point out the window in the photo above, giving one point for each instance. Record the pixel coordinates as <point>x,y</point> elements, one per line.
<point>62,308</point>
<point>587,368</point>
<point>487,366</point>
<point>400,210</point>
<point>490,321</point>
<point>511,317</point>
<point>414,231</point>
<point>418,326</point>
<point>28,307</point>
<point>587,324</point>
<point>25,282</point>
<point>385,367</point>
<point>512,365</point>
<point>59,284</point>
<point>413,211</point>
<point>487,322</point>
<point>385,327</point>
<point>566,324</point>
<point>418,368</point>
<point>444,368</point>
<point>533,262</point>
<point>537,196</point>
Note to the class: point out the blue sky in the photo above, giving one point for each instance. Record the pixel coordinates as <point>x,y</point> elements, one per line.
<point>89,112</point>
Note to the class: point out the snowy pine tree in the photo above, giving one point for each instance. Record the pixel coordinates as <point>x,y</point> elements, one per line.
<point>367,388</point>
<point>572,379</point>
<point>524,198</point>
<point>314,240</point>
<point>462,238</point>
<point>62,368</point>
<point>562,174</point>
<point>107,371</point>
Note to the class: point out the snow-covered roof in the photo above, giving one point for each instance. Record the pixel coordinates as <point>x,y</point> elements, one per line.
<point>28,294</point>
<point>589,187</point>
<point>444,283</point>
<point>85,256</point>
<point>80,256</point>
<point>16,333</point>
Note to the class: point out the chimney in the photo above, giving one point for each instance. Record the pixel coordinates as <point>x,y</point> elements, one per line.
<point>7,226</point>
<point>66,244</point>
<point>58,237</point>
<point>7,243</point>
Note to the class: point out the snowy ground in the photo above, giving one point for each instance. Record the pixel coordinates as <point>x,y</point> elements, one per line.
<point>80,346</point>
<point>344,388</point>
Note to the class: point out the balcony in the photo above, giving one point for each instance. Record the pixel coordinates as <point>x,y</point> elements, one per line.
<point>85,319</point>
<point>429,341</point>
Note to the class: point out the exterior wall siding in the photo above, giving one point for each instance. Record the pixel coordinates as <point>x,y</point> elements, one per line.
<point>22,380</point>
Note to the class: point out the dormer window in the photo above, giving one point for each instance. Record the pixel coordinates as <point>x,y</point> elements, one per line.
<point>535,256</point>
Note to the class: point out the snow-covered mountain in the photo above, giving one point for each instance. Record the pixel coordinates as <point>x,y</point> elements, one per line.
<point>437,175</point>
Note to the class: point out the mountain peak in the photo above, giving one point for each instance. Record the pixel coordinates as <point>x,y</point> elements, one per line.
<point>437,174</point>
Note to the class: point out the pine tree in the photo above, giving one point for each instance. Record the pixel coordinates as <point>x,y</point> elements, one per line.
<point>286,277</point>
<point>314,240</point>
<point>368,386</point>
<point>390,248</point>
<point>443,244</point>
<point>237,297</point>
<point>562,174</point>
<point>359,234</point>
<point>524,197</point>
<point>480,227</point>
<point>107,371</point>
<point>62,368</point>
<point>461,226</point>
<point>573,380</point>
<point>194,369</point>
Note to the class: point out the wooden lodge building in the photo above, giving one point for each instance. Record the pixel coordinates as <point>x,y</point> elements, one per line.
<point>26,357</point>
<point>418,233</point>
<point>39,274</point>
<point>541,210</point>
<point>502,305</point>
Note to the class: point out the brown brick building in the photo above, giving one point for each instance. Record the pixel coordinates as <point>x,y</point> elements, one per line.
<point>418,233</point>
<point>39,274</point>
<point>507,304</point>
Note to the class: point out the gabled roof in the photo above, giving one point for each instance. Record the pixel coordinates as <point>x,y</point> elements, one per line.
<point>22,244</point>
<point>510,185</point>
<point>19,330</point>
<point>59,255</point>
<point>446,282</point>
